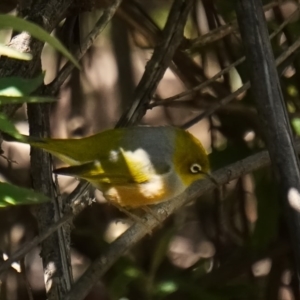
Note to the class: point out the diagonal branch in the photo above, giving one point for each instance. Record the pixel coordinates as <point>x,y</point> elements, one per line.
<point>106,16</point>
<point>190,92</point>
<point>159,62</point>
<point>79,192</point>
<point>292,50</point>
<point>220,32</point>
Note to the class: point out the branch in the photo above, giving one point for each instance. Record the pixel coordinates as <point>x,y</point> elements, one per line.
<point>79,192</point>
<point>183,95</point>
<point>220,32</point>
<point>271,108</point>
<point>159,62</point>
<point>55,251</point>
<point>293,49</point>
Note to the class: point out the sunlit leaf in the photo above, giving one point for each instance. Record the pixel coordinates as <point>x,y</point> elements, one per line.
<point>292,91</point>
<point>18,24</point>
<point>167,287</point>
<point>17,86</point>
<point>268,210</point>
<point>9,128</point>
<point>13,195</point>
<point>25,99</point>
<point>12,53</point>
<point>160,251</point>
<point>296,125</point>
<point>126,274</point>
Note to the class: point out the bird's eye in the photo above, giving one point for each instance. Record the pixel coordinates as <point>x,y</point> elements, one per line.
<point>195,168</point>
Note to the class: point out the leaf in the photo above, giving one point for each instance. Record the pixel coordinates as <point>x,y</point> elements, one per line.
<point>125,275</point>
<point>268,210</point>
<point>159,253</point>
<point>9,128</point>
<point>13,53</point>
<point>25,99</point>
<point>13,195</point>
<point>17,86</point>
<point>296,125</point>
<point>18,24</point>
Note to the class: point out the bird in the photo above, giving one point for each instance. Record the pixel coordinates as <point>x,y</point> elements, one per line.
<point>133,167</point>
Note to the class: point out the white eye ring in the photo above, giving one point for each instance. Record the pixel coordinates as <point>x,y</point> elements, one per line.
<point>195,168</point>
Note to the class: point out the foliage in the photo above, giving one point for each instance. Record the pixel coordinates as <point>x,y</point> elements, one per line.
<point>12,195</point>
<point>18,24</point>
<point>219,247</point>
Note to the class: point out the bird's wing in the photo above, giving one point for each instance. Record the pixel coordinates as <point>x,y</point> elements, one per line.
<point>93,172</point>
<point>128,168</point>
<point>140,167</point>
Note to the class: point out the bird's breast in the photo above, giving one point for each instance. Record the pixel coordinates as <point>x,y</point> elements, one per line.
<point>158,189</point>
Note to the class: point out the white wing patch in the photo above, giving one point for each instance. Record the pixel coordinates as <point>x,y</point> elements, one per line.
<point>149,185</point>
<point>113,156</point>
<point>139,158</point>
<point>154,188</point>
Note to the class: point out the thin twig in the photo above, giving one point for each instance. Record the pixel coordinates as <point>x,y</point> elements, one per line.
<point>293,48</point>
<point>64,236</point>
<point>214,107</point>
<point>159,62</point>
<point>33,243</point>
<point>199,87</point>
<point>24,275</point>
<point>106,16</point>
<point>75,195</point>
<point>220,32</point>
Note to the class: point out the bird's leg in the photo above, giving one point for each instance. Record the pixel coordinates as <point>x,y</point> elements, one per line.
<point>131,215</point>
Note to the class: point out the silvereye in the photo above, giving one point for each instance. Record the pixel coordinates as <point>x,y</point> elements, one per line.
<point>133,166</point>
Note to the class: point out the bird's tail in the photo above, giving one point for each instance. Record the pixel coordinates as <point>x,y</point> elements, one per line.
<point>25,139</point>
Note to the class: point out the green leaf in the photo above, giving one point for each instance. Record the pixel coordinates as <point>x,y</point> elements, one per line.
<point>18,24</point>
<point>296,125</point>
<point>17,86</point>
<point>268,210</point>
<point>25,99</point>
<point>167,287</point>
<point>12,53</point>
<point>159,253</point>
<point>124,276</point>
<point>13,195</point>
<point>9,128</point>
